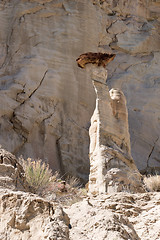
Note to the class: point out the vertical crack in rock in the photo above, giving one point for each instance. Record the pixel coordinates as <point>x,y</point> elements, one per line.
<point>62,171</point>
<point>58,146</point>
<point>57,37</point>
<point>152,149</point>
<point>39,84</point>
<point>8,49</point>
<point>17,124</point>
<point>9,37</point>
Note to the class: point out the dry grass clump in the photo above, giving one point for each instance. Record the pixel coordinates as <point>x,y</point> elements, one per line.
<point>52,186</point>
<point>37,173</point>
<point>152,183</point>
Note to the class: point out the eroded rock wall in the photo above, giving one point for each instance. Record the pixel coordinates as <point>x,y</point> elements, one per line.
<point>132,30</point>
<point>12,175</point>
<point>47,101</point>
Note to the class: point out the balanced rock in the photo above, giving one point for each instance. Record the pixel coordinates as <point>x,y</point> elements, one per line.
<point>112,168</point>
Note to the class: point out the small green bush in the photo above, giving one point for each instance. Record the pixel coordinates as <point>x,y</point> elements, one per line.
<point>52,187</point>
<point>152,183</point>
<point>37,173</point>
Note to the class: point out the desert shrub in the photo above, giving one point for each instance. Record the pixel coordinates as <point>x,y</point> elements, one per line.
<point>53,187</point>
<point>152,183</point>
<point>65,192</point>
<point>37,173</point>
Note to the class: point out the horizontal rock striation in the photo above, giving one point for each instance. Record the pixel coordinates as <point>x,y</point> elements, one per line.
<point>132,31</point>
<point>12,175</point>
<point>47,101</point>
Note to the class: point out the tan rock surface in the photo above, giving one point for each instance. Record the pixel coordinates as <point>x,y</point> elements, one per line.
<point>133,27</point>
<point>116,216</point>
<point>24,215</point>
<point>27,216</point>
<point>47,101</point>
<point>12,175</point>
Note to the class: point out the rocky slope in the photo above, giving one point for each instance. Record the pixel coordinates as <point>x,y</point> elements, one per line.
<point>115,216</point>
<point>47,101</point>
<point>12,175</point>
<point>118,216</point>
<point>25,215</point>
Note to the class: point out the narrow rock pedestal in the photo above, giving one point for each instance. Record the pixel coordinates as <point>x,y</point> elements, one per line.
<point>112,168</point>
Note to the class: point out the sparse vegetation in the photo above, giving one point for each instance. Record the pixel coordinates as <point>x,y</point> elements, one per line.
<point>152,183</point>
<point>66,191</point>
<point>37,173</point>
<point>52,186</point>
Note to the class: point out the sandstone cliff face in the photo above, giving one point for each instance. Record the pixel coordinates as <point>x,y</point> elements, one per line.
<point>47,102</point>
<point>133,31</point>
